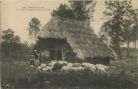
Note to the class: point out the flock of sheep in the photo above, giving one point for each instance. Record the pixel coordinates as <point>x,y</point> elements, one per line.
<point>64,66</point>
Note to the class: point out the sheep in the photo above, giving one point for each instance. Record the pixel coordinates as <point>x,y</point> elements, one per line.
<point>89,66</point>
<point>57,67</point>
<point>72,67</point>
<point>62,62</point>
<point>92,68</point>
<point>43,65</point>
<point>75,69</point>
<point>67,67</point>
<point>101,68</point>
<point>47,69</point>
<point>77,64</point>
<point>85,64</point>
<point>52,63</point>
<point>69,64</point>
<point>100,65</point>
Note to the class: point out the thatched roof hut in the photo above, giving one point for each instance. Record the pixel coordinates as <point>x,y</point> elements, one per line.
<point>78,35</point>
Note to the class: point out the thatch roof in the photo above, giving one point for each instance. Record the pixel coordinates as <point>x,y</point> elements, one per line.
<point>79,35</point>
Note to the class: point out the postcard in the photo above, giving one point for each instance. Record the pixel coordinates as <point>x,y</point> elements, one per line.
<point>69,44</point>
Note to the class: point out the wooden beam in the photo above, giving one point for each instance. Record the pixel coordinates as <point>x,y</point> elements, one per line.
<point>56,55</point>
<point>63,55</point>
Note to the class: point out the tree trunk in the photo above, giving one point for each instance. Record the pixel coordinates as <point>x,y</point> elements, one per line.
<point>118,50</point>
<point>117,47</point>
<point>128,53</point>
<point>10,49</point>
<point>135,49</point>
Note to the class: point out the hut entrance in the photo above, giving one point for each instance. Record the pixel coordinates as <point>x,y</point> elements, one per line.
<point>55,48</point>
<point>56,55</point>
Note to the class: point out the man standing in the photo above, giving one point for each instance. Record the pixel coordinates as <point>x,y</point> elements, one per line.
<point>36,54</point>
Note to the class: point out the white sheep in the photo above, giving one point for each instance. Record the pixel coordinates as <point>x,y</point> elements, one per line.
<point>77,64</point>
<point>62,62</point>
<point>47,69</point>
<point>43,65</point>
<point>69,64</point>
<point>92,68</point>
<point>101,68</point>
<point>85,64</point>
<point>75,69</point>
<point>52,63</point>
<point>89,66</point>
<point>67,68</point>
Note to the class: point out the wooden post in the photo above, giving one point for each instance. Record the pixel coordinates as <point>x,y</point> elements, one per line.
<point>63,55</point>
<point>56,55</point>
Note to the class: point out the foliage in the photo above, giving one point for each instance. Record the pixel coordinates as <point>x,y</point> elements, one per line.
<point>34,27</point>
<point>82,9</point>
<point>10,41</point>
<point>120,23</point>
<point>8,36</point>
<point>11,45</point>
<point>131,23</point>
<point>63,11</point>
<point>78,10</point>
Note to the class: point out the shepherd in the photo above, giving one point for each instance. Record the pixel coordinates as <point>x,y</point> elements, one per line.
<point>36,54</point>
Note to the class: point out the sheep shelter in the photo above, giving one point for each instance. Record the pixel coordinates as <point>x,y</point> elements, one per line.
<point>72,40</point>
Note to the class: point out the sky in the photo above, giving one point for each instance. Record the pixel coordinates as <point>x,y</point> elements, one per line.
<point>16,14</point>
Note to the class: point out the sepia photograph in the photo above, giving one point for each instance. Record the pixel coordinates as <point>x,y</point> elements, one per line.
<point>68,44</point>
